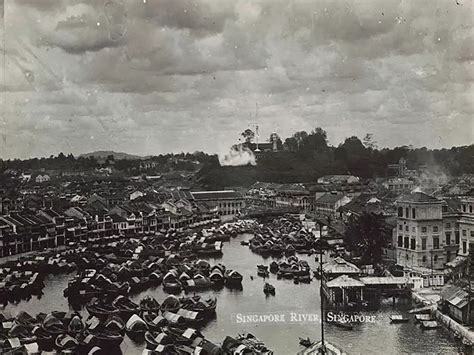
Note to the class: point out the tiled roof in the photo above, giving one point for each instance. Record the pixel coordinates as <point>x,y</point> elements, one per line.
<point>418,197</point>
<point>216,195</point>
<point>329,198</point>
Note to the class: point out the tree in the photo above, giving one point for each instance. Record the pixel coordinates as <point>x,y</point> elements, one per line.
<point>366,237</point>
<point>369,141</point>
<point>248,135</point>
<point>276,138</point>
<point>316,141</point>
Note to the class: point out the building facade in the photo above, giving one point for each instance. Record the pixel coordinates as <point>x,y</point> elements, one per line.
<point>420,241</point>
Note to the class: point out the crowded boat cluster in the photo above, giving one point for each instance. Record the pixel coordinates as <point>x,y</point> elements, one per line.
<point>282,237</point>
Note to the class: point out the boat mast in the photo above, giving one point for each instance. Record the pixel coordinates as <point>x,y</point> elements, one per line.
<point>323,347</point>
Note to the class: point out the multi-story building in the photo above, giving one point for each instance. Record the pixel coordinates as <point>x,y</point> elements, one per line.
<point>228,202</point>
<point>329,203</point>
<point>419,234</point>
<point>465,223</point>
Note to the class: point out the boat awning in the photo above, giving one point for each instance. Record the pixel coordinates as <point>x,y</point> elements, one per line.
<point>187,313</point>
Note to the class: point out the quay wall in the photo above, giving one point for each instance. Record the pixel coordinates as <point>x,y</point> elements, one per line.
<point>447,321</point>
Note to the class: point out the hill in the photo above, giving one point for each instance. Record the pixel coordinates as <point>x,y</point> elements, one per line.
<point>103,154</point>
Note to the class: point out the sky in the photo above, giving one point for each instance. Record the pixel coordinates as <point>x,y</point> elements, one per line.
<point>155,76</point>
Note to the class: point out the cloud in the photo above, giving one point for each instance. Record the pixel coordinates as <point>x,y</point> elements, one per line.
<point>181,75</point>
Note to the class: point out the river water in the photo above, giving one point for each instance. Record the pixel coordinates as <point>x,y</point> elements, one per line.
<point>380,337</point>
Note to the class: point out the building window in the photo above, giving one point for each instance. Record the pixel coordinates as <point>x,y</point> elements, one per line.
<point>423,243</point>
<point>435,229</point>
<point>400,212</point>
<point>444,209</point>
<point>424,258</point>
<point>464,247</point>
<point>413,213</point>
<point>448,238</point>
<point>470,208</point>
<point>456,234</point>
<point>464,233</point>
<point>423,229</point>
<point>407,212</point>
<point>400,227</point>
<point>413,244</point>
<point>435,242</point>
<point>406,242</point>
<point>400,241</point>
<point>464,208</point>
<point>435,258</point>
<point>406,228</point>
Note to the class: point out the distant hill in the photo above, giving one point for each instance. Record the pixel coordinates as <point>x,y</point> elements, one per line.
<point>103,154</point>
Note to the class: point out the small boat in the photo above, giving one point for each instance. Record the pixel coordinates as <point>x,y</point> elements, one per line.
<point>244,242</point>
<point>66,342</point>
<point>108,339</point>
<point>171,304</point>
<point>154,321</point>
<point>53,325</point>
<point>135,326</point>
<point>149,304</point>
<point>430,324</point>
<point>262,270</point>
<point>268,289</point>
<point>233,277</point>
<point>425,309</point>
<point>306,342</point>
<point>75,325</point>
<point>423,317</point>
<point>154,339</point>
<point>114,324</point>
<point>126,307</point>
<point>398,318</point>
<point>343,325</point>
<point>102,310</point>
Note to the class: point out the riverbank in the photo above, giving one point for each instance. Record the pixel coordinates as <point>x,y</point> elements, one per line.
<point>430,298</point>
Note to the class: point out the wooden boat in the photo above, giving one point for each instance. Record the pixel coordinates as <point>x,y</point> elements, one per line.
<point>174,319</point>
<point>102,310</point>
<point>108,339</point>
<point>306,342</point>
<point>75,325</point>
<point>135,326</point>
<point>149,304</point>
<point>398,318</point>
<point>171,304</point>
<point>66,342</point>
<point>154,321</point>
<point>329,349</point>
<point>154,339</point>
<point>191,317</point>
<point>430,324</point>
<point>268,289</point>
<point>423,317</point>
<point>125,306</point>
<point>183,336</point>
<point>114,324</point>
<point>233,277</point>
<point>420,310</point>
<point>343,325</point>
<point>53,325</point>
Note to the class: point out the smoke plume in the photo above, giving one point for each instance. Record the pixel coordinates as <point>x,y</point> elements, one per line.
<point>238,156</point>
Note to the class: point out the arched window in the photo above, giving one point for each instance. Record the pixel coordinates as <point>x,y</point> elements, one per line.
<point>400,211</point>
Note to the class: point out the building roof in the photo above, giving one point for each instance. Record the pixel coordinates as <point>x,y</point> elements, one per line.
<point>330,198</point>
<point>216,195</point>
<point>455,295</point>
<point>340,266</point>
<point>418,197</point>
<point>344,281</point>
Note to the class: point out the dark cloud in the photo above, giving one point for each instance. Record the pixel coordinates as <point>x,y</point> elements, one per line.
<point>178,75</point>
